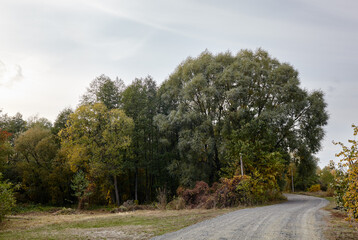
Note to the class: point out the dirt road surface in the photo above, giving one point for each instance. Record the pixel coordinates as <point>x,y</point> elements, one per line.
<point>300,217</point>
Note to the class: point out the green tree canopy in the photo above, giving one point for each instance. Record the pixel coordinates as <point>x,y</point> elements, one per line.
<point>104,90</point>
<point>97,140</point>
<point>14,125</point>
<point>219,106</point>
<point>33,166</point>
<point>139,101</point>
<point>61,120</point>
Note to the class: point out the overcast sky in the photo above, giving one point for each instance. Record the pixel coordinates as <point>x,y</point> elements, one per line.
<point>51,50</point>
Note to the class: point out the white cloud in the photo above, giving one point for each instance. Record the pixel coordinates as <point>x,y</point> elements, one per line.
<point>10,74</point>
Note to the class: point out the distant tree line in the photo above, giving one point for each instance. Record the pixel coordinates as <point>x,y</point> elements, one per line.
<point>125,142</point>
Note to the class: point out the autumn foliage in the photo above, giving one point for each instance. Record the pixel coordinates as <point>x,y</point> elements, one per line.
<point>229,192</point>
<point>215,114</point>
<point>315,188</point>
<point>349,160</point>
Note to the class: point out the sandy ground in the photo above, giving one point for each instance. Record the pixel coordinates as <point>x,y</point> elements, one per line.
<point>300,217</point>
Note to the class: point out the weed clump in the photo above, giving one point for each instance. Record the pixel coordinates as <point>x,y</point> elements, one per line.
<point>65,211</point>
<point>177,203</point>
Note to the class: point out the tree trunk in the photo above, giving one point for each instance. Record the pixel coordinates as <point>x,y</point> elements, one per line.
<point>147,185</point>
<point>136,185</point>
<point>80,203</point>
<point>116,190</point>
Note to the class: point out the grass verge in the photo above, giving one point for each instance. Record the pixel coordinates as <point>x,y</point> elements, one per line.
<point>98,225</point>
<point>337,225</point>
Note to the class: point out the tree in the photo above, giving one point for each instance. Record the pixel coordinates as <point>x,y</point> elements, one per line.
<point>37,151</point>
<point>5,147</point>
<point>61,120</point>
<point>222,105</point>
<point>37,145</point>
<point>139,103</point>
<point>349,159</point>
<point>103,89</point>
<point>326,176</point>
<point>97,140</point>
<point>194,108</point>
<point>7,199</point>
<point>14,125</point>
<point>80,186</point>
<point>39,122</point>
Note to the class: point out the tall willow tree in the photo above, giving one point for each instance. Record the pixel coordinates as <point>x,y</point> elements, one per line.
<point>215,107</point>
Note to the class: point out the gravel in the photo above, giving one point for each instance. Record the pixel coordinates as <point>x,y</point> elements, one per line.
<point>300,217</point>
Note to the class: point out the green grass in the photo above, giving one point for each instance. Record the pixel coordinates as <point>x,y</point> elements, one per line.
<point>152,224</point>
<point>27,208</point>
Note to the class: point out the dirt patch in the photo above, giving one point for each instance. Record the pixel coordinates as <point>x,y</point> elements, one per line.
<point>124,232</point>
<point>28,221</point>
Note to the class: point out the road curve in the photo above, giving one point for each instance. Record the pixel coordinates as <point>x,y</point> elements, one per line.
<point>298,218</point>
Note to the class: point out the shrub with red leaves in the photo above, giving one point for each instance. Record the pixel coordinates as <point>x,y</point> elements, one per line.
<point>197,195</point>
<point>227,193</point>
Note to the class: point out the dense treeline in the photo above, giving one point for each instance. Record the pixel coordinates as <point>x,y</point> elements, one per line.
<point>126,142</point>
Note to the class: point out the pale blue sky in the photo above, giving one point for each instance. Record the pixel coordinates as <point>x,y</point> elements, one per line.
<point>51,50</point>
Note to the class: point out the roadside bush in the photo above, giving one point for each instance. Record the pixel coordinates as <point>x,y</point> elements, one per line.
<point>177,203</point>
<point>196,196</point>
<point>351,195</point>
<point>246,190</point>
<point>315,188</point>
<point>340,187</point>
<point>238,190</point>
<point>234,191</point>
<point>7,199</point>
<point>346,184</point>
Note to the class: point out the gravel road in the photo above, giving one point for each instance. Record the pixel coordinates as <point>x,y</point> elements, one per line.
<point>298,218</point>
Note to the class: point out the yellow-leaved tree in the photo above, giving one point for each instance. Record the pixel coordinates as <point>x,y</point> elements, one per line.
<point>96,141</point>
<point>349,157</point>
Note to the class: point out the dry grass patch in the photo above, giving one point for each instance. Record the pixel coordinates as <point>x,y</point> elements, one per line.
<point>338,227</point>
<point>98,225</point>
